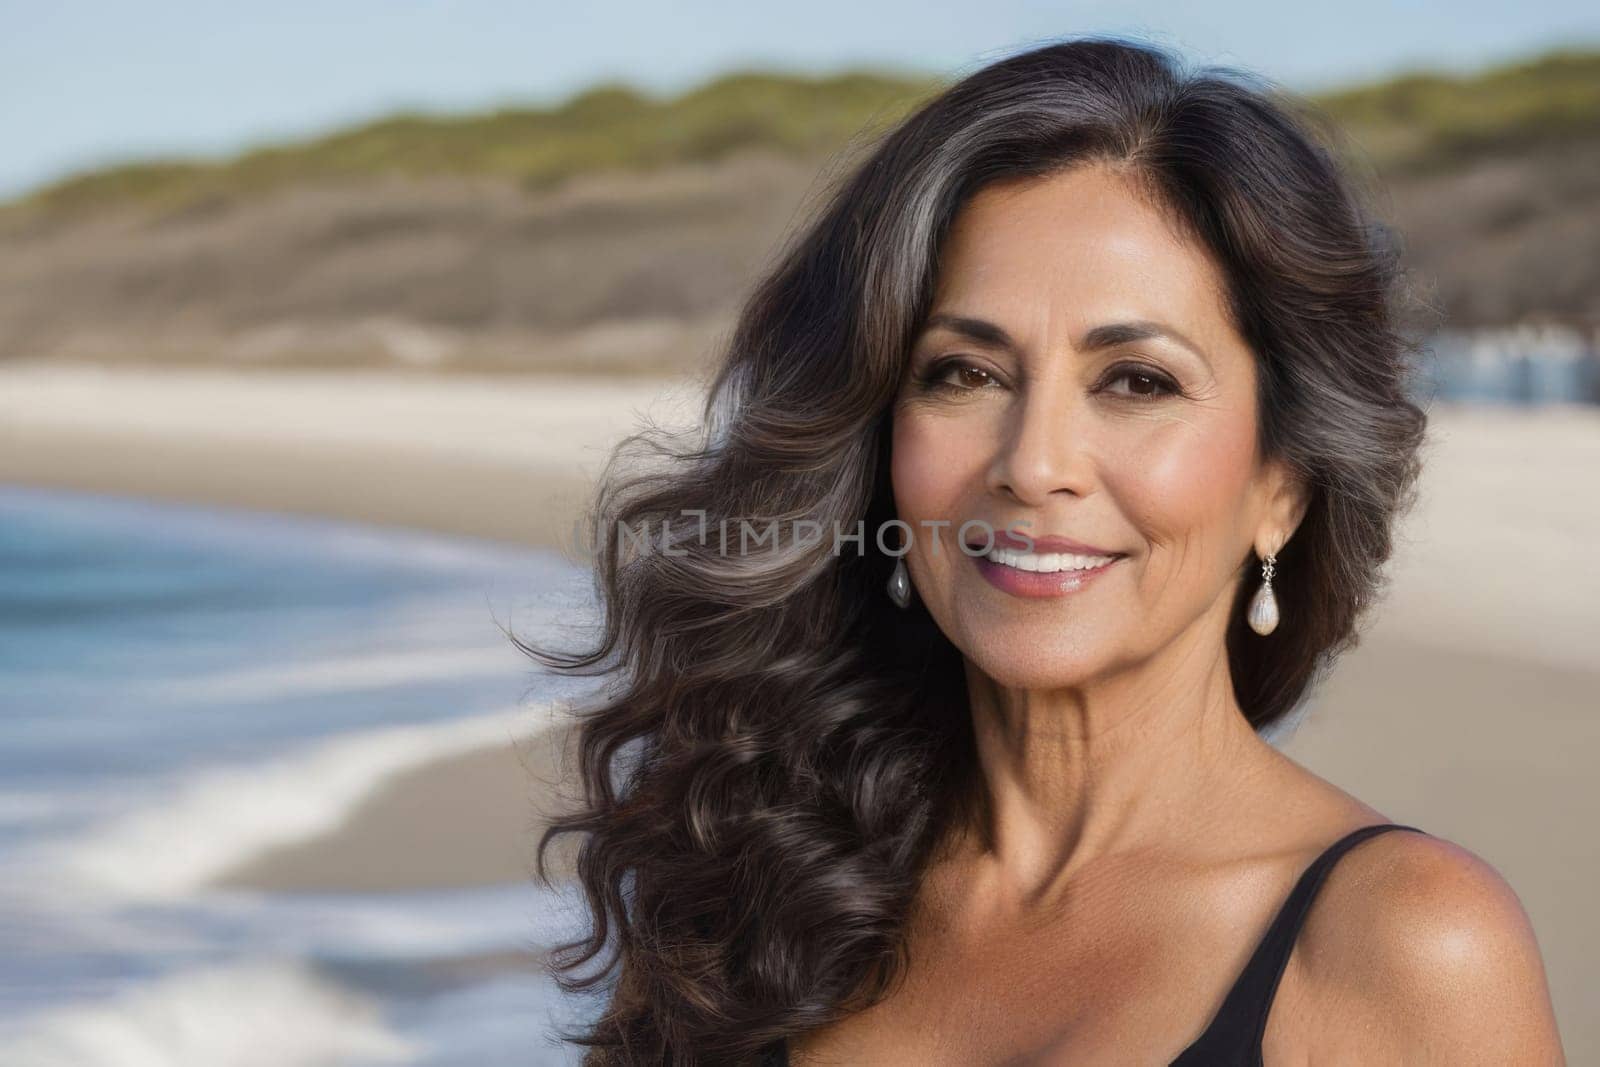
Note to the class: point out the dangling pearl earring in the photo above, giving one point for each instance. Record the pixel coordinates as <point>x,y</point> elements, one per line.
<point>1263,613</point>
<point>900,584</point>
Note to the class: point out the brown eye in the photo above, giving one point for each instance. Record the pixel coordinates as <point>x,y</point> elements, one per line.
<point>971,377</point>
<point>1143,384</point>
<point>957,374</point>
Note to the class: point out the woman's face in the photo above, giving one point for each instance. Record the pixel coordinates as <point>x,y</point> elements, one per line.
<point>1078,377</point>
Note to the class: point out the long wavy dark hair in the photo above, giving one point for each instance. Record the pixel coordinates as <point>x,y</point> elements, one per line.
<point>779,748</point>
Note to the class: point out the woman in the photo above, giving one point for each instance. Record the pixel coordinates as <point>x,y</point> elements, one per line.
<point>1090,378</point>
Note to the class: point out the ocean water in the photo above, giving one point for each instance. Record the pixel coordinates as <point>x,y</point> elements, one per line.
<point>181,687</point>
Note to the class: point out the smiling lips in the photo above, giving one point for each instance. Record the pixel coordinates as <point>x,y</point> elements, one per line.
<point>1054,566</point>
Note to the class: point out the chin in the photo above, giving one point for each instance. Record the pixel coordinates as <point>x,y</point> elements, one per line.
<point>1023,665</point>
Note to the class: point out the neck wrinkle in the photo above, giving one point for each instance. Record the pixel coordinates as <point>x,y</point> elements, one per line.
<point>1068,778</point>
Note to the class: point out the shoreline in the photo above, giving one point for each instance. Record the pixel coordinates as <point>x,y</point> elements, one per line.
<point>344,444</point>
<point>445,823</point>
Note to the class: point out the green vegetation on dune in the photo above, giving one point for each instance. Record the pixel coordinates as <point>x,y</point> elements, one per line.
<point>1417,121</point>
<point>608,126</point>
<point>1425,120</point>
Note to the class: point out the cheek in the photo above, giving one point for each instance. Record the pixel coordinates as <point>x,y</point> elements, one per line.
<point>929,467</point>
<point>1187,483</point>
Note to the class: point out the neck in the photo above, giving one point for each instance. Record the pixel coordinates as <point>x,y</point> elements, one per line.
<point>1132,761</point>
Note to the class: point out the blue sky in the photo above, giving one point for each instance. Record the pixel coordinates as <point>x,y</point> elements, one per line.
<point>83,84</point>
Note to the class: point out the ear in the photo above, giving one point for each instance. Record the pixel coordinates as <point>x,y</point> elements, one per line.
<point>1286,496</point>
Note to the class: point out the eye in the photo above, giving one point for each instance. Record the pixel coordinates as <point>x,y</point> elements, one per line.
<point>1145,383</point>
<point>955,373</point>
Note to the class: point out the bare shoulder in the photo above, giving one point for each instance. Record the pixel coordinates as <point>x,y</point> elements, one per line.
<point>1417,950</point>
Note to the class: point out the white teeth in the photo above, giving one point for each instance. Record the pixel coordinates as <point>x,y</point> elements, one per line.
<point>1047,562</point>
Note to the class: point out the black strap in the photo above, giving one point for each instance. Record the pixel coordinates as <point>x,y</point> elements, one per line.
<point>1240,1024</point>
<point>1237,1030</point>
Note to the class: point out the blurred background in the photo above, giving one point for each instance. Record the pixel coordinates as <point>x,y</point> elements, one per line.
<point>316,323</point>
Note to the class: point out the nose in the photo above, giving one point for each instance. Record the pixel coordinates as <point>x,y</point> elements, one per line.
<point>1046,448</point>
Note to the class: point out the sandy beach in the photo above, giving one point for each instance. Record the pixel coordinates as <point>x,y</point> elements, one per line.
<point>499,457</point>
<point>1471,707</point>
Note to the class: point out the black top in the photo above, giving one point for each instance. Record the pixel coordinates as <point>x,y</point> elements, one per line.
<point>1234,1036</point>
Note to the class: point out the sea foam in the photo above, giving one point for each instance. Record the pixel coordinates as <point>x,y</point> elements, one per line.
<point>268,1014</point>
<point>208,820</point>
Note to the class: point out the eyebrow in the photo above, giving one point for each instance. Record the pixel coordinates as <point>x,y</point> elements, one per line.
<point>1107,335</point>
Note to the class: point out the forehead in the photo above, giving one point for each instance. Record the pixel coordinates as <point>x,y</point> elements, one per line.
<point>1074,249</point>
